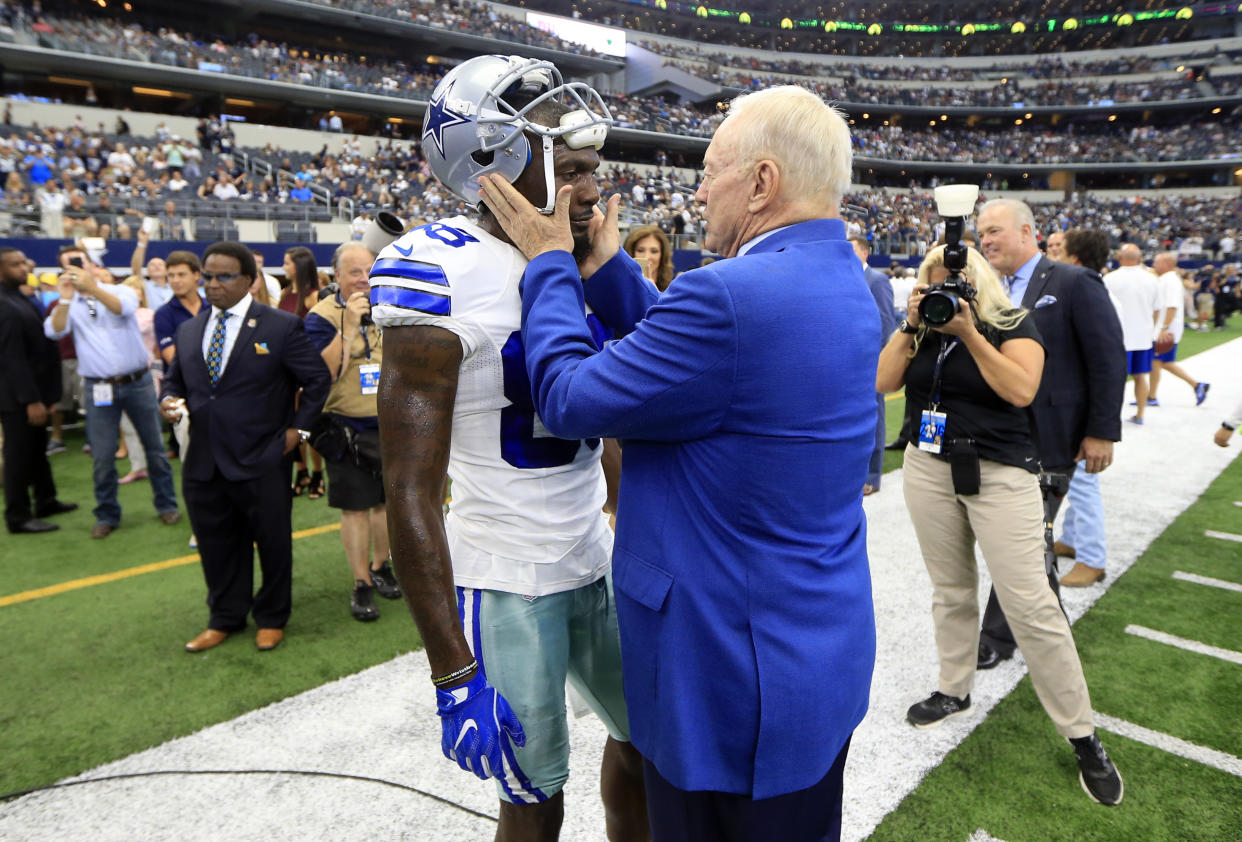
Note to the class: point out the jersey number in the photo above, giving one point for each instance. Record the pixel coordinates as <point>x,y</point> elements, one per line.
<point>447,234</point>
<point>519,446</point>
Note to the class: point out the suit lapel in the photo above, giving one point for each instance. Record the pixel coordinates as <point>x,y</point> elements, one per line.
<point>192,363</point>
<point>242,345</point>
<point>1039,279</point>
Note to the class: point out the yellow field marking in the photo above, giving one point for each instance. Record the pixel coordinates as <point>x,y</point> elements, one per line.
<point>895,396</point>
<point>104,578</point>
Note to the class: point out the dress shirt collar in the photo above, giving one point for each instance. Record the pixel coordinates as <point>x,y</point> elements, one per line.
<point>239,309</point>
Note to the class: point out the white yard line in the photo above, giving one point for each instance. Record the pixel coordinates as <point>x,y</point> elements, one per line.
<point>380,723</point>
<point>1223,536</point>
<point>1208,581</point>
<point>1164,742</point>
<point>1183,643</point>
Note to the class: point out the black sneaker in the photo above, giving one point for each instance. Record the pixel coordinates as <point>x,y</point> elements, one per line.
<point>1097,774</point>
<point>385,581</point>
<point>362,602</point>
<point>935,709</point>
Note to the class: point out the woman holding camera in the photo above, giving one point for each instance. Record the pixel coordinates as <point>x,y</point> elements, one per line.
<point>973,475</point>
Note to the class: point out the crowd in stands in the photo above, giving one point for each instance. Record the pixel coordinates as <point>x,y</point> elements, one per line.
<point>1065,83</point>
<point>1046,67</point>
<point>1046,145</point>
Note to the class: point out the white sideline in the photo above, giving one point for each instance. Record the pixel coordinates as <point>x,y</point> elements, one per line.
<point>1188,751</point>
<point>1183,643</point>
<point>1208,581</point>
<point>982,835</point>
<point>1223,536</point>
<point>380,723</point>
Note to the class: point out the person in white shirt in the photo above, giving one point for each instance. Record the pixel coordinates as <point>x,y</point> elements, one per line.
<point>225,190</point>
<point>1170,325</point>
<point>1135,286</point>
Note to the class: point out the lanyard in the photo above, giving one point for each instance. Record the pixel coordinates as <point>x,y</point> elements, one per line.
<point>362,329</point>
<point>946,347</point>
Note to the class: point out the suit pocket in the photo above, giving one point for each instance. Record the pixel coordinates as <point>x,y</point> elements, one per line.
<point>644,583</point>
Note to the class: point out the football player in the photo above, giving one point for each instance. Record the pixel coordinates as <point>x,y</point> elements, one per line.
<point>511,590</point>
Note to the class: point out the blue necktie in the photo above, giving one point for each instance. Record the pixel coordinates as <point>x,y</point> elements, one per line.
<point>215,351</point>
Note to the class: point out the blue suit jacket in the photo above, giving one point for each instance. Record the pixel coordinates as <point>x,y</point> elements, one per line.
<point>745,396</point>
<point>882,291</point>
<point>239,426</point>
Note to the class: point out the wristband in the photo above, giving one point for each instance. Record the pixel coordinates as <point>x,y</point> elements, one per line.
<point>1228,426</point>
<point>455,674</point>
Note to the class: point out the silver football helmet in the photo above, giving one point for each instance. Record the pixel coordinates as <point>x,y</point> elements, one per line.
<point>471,130</point>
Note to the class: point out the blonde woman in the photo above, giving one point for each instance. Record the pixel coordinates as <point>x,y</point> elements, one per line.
<point>973,476</point>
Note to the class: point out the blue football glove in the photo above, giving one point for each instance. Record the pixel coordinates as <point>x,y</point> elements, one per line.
<point>475,720</point>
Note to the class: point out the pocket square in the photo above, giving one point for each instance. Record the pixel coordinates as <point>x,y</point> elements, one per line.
<point>1044,301</point>
<point>261,348</point>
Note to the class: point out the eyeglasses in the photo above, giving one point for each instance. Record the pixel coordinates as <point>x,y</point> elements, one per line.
<point>222,277</point>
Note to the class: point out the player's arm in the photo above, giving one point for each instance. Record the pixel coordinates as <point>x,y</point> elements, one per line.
<point>418,386</point>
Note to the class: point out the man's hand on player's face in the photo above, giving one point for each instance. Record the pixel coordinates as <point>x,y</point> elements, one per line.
<point>530,231</point>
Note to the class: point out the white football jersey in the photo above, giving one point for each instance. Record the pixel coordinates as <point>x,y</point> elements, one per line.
<point>526,510</point>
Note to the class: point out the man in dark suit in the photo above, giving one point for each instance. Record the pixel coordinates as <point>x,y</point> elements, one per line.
<point>238,366</point>
<point>1077,412</point>
<point>29,386</point>
<point>882,291</point>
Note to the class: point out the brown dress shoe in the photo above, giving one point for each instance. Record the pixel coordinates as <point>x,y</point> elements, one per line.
<point>102,530</point>
<point>1064,550</point>
<point>171,517</point>
<point>268,639</point>
<point>1081,576</point>
<point>206,640</point>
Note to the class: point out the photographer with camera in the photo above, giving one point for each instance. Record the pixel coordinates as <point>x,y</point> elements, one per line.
<point>971,363</point>
<point>347,434</point>
<point>115,365</point>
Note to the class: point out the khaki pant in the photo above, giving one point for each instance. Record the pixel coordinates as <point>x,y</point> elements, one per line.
<point>1006,518</point>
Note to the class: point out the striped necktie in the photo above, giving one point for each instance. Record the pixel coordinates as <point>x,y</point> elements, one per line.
<point>215,351</point>
<point>1007,283</point>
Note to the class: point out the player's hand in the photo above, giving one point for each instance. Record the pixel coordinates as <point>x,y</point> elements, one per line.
<point>1222,436</point>
<point>605,236</point>
<point>1098,454</point>
<point>532,232</point>
<point>475,722</point>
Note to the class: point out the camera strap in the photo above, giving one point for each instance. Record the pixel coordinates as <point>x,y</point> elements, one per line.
<point>946,348</point>
<point>362,329</point>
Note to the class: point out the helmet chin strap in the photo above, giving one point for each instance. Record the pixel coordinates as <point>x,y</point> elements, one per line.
<point>549,176</point>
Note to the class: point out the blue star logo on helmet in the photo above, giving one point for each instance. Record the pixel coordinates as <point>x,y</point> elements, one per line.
<point>439,118</point>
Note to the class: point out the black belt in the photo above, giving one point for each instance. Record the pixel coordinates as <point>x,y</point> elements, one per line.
<point>121,379</point>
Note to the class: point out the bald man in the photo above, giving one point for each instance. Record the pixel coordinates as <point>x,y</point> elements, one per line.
<point>1136,289</point>
<point>1171,324</point>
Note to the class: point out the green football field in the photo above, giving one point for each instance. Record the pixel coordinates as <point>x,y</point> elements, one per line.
<point>94,668</point>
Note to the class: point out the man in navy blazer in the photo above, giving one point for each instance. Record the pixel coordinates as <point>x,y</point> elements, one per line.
<point>1077,411</point>
<point>744,397</point>
<point>882,291</point>
<point>238,367</point>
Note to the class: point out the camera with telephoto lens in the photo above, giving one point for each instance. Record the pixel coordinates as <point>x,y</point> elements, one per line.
<point>941,302</point>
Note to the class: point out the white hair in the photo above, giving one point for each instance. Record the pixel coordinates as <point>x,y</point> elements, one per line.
<point>1020,211</point>
<point>807,138</point>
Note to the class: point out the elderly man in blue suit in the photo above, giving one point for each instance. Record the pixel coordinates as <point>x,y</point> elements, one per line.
<point>745,402</point>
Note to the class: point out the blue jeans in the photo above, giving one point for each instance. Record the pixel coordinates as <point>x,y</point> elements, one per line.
<point>103,425</point>
<point>1083,528</point>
